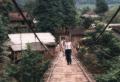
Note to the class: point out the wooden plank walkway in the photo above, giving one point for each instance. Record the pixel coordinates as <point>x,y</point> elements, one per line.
<point>61,72</point>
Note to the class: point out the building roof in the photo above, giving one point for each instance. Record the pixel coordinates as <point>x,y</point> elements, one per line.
<point>72,31</point>
<point>77,31</point>
<point>25,38</point>
<point>61,31</point>
<point>90,30</point>
<point>30,37</point>
<point>15,16</point>
<point>115,25</point>
<point>91,14</point>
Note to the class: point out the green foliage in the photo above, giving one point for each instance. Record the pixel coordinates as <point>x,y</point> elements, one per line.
<point>107,51</point>
<point>30,69</point>
<point>2,33</point>
<point>109,41</point>
<point>69,12</point>
<point>29,6</point>
<point>78,19</point>
<point>99,27</point>
<point>82,51</point>
<point>86,22</point>
<point>6,7</point>
<point>101,6</point>
<point>85,10</point>
<point>48,14</point>
<point>110,13</point>
<point>113,74</point>
<point>55,13</point>
<point>111,49</point>
<point>108,45</point>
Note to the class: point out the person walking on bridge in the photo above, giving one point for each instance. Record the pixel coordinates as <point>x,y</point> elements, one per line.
<point>62,46</point>
<point>68,50</point>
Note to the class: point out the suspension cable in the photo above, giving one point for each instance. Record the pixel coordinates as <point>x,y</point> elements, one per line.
<point>28,23</point>
<point>101,34</point>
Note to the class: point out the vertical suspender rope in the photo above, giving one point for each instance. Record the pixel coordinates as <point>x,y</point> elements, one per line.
<point>21,42</point>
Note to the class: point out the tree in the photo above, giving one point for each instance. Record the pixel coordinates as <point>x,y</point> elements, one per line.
<point>48,13</point>
<point>6,7</point>
<point>2,34</point>
<point>69,13</point>
<point>86,22</point>
<point>110,13</point>
<point>85,10</point>
<point>108,55</point>
<point>55,13</point>
<point>113,74</point>
<point>101,6</point>
<point>29,6</point>
<point>30,69</point>
<point>3,58</point>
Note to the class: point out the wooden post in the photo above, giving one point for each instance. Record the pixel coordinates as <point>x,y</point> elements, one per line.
<point>14,57</point>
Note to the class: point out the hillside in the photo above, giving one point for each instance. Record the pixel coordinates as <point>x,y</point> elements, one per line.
<point>22,2</point>
<point>93,1</point>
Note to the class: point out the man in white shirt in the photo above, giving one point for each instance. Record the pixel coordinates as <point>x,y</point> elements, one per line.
<point>68,50</point>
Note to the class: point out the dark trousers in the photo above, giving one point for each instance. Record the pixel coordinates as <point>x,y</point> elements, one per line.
<point>68,56</point>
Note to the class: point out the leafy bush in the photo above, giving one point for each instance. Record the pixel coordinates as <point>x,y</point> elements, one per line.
<point>107,51</point>
<point>30,69</point>
<point>110,13</point>
<point>113,73</point>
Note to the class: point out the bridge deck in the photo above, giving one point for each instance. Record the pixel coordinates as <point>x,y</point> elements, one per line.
<point>61,72</point>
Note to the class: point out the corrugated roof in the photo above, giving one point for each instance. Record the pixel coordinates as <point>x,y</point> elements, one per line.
<point>26,38</point>
<point>30,37</point>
